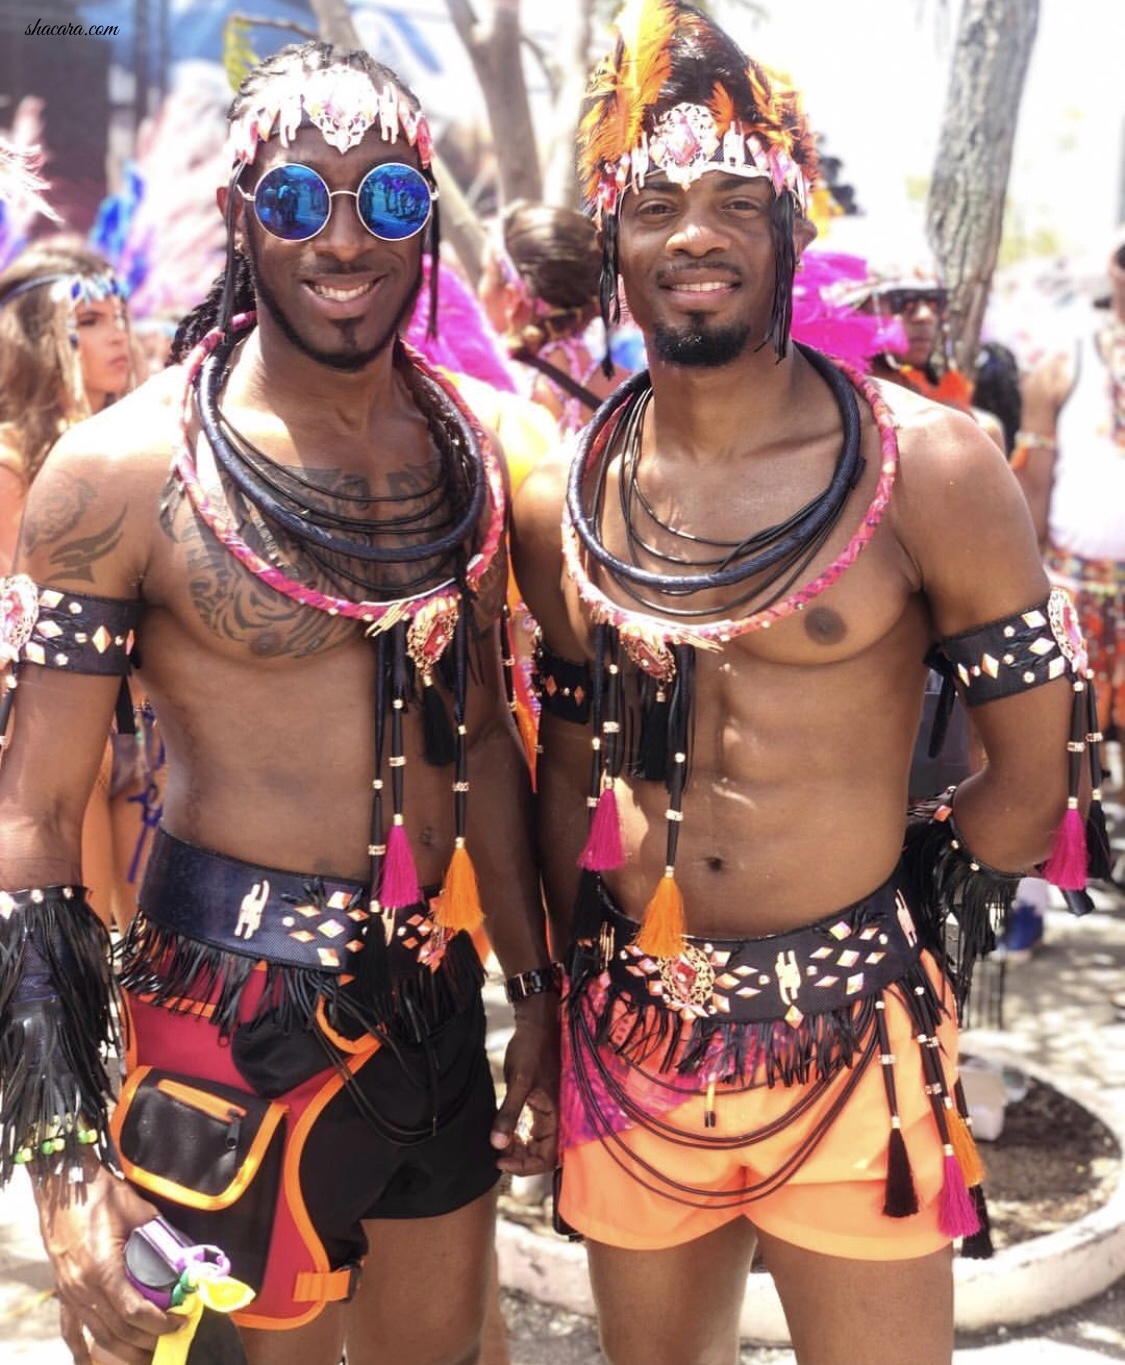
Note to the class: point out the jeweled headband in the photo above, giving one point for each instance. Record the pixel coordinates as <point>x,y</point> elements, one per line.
<point>67,287</point>
<point>622,138</point>
<point>340,101</point>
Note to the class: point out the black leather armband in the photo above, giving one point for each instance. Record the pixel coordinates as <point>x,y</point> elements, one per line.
<point>65,630</point>
<point>56,1026</point>
<point>1015,653</point>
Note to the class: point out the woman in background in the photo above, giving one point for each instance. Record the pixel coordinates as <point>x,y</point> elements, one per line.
<point>539,288</point>
<point>66,352</point>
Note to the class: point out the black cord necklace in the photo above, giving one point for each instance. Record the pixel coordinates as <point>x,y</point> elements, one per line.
<point>773,557</point>
<point>276,476</point>
<point>265,495</point>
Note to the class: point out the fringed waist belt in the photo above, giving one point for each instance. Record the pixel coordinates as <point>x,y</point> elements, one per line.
<point>850,955</point>
<point>207,920</point>
<point>804,1011</point>
<point>289,918</point>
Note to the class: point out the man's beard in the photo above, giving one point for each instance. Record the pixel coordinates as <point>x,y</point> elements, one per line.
<point>697,346</point>
<point>347,361</point>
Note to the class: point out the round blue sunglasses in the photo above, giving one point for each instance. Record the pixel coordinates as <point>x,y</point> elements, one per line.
<point>394,201</point>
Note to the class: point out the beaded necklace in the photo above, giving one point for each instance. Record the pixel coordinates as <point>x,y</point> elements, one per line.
<point>663,649</point>
<point>413,629</point>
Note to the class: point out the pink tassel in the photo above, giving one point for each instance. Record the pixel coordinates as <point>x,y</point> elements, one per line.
<point>957,1214</point>
<point>603,851</point>
<point>400,877</point>
<point>1066,867</point>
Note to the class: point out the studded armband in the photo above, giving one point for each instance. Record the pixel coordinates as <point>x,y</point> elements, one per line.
<point>1016,653</point>
<point>65,630</point>
<point>1013,655</point>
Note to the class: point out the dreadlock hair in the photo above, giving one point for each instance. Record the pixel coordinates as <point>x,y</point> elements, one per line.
<point>233,290</point>
<point>703,65</point>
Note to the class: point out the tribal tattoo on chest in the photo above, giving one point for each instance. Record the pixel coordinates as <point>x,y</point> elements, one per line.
<point>236,606</point>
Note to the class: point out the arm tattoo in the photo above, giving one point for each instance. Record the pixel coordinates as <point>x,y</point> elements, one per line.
<point>57,512</point>
<point>76,558</point>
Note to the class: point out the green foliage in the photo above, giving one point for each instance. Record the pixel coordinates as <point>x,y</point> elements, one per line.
<point>238,55</point>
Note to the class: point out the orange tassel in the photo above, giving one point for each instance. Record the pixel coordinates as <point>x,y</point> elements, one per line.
<point>965,1149</point>
<point>529,734</point>
<point>458,906</point>
<point>662,933</point>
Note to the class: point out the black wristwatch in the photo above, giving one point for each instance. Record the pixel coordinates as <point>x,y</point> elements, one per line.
<point>534,982</point>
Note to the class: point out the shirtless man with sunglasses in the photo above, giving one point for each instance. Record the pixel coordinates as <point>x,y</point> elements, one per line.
<point>297,538</point>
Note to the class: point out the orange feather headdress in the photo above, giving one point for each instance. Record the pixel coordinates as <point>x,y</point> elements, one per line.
<point>650,104</point>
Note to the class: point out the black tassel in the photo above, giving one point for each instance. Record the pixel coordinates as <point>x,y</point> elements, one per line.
<point>979,1247</point>
<point>437,733</point>
<point>1079,903</point>
<point>372,964</point>
<point>901,1197</point>
<point>1097,843</point>
<point>1099,856</point>
<point>651,761</point>
<point>943,712</point>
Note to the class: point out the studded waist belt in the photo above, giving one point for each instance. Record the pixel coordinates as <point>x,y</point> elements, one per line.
<point>851,954</point>
<point>289,918</point>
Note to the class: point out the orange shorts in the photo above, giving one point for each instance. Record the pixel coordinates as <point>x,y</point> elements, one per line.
<point>831,1200</point>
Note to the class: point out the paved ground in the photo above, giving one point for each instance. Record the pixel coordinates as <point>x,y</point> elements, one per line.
<point>1057,1015</point>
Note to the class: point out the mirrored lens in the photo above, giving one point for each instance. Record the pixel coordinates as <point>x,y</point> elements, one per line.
<point>292,202</point>
<point>394,201</point>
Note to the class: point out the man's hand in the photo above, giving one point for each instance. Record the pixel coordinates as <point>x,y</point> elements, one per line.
<point>84,1229</point>
<point>531,1075</point>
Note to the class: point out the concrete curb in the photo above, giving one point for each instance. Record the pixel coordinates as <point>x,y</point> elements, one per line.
<point>1031,1280</point>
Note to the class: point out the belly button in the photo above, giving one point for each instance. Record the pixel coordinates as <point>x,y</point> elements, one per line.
<point>714,863</point>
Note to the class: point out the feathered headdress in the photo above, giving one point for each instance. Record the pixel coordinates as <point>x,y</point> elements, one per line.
<point>677,95</point>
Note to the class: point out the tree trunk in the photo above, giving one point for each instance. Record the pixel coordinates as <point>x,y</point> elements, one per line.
<point>335,23</point>
<point>495,51</point>
<point>560,179</point>
<point>965,209</point>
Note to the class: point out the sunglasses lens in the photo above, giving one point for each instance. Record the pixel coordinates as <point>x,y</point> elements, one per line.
<point>904,301</point>
<point>394,201</point>
<point>292,202</point>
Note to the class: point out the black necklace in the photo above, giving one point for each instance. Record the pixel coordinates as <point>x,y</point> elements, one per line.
<point>773,557</point>
<point>452,435</point>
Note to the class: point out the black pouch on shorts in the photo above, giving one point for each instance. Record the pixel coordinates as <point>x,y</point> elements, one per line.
<point>208,1156</point>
